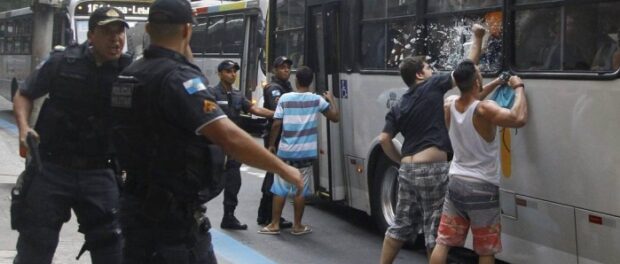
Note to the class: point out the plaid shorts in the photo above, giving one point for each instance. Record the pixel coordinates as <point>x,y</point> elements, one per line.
<point>421,192</point>
<point>471,203</point>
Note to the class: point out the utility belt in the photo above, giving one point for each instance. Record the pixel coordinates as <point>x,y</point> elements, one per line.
<point>300,163</point>
<point>79,163</point>
<point>160,206</point>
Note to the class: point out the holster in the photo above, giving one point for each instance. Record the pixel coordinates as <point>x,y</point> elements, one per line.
<point>157,203</point>
<point>18,208</point>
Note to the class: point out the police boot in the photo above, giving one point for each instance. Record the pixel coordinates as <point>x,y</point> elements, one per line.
<point>229,221</point>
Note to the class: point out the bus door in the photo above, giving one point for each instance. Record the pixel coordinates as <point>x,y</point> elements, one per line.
<point>324,58</point>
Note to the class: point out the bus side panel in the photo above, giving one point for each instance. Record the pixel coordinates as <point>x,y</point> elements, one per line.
<point>363,117</point>
<point>542,232</point>
<point>569,152</point>
<point>598,237</point>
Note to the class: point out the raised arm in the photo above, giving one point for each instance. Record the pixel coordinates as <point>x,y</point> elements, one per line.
<point>332,113</point>
<point>489,87</point>
<point>514,117</point>
<point>476,47</point>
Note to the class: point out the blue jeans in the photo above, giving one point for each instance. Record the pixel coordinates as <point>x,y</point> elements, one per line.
<point>92,194</point>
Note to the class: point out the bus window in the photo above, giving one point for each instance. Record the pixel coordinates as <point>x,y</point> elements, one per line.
<point>449,40</point>
<point>199,37</point>
<point>522,2</point>
<point>291,45</point>
<point>401,7</point>
<point>441,6</point>
<point>289,31</point>
<point>373,45</point>
<point>215,34</point>
<point>569,38</point>
<point>388,32</point>
<point>290,14</point>
<point>234,35</point>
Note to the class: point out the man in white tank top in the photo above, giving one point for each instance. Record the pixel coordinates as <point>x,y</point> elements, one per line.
<point>473,190</point>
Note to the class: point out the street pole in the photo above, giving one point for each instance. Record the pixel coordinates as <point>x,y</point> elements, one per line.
<point>42,29</point>
<point>43,26</point>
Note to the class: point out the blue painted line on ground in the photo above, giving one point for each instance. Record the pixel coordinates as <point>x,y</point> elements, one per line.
<point>234,251</point>
<point>8,126</point>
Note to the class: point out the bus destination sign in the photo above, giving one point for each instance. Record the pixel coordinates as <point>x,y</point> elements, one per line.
<point>127,8</point>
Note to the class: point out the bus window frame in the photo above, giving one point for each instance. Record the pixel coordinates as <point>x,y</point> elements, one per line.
<point>509,27</point>
<point>385,20</point>
<point>246,14</point>
<point>508,9</point>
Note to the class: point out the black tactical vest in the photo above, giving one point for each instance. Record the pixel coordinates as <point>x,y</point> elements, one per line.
<point>154,152</point>
<point>74,119</point>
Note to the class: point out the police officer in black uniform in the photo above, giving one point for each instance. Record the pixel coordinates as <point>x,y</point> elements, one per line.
<point>72,128</point>
<point>164,121</point>
<point>279,85</point>
<point>232,103</point>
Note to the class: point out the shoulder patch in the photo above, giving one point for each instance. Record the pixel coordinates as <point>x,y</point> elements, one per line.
<point>209,106</point>
<point>194,85</point>
<point>275,93</point>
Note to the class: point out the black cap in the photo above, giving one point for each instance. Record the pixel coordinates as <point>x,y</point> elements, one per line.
<point>106,15</point>
<point>171,12</point>
<point>281,60</point>
<point>227,65</point>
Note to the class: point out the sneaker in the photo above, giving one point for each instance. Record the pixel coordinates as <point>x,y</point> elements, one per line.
<point>231,222</point>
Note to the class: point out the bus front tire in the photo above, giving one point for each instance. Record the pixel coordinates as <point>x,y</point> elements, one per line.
<point>384,193</point>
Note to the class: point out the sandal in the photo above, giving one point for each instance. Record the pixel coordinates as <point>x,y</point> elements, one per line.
<point>306,230</point>
<point>267,231</point>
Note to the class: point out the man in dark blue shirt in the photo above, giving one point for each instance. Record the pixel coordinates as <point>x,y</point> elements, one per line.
<point>233,103</point>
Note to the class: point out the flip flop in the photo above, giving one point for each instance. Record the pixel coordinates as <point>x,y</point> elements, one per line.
<point>266,231</point>
<point>306,230</point>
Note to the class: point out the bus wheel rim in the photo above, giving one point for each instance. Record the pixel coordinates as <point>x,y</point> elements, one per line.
<point>389,194</point>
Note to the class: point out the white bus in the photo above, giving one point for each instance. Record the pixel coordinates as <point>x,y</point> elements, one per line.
<point>561,172</point>
<point>232,30</point>
<point>70,26</point>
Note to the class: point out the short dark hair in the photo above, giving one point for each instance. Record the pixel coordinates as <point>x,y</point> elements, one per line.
<point>465,75</point>
<point>409,67</point>
<point>162,31</point>
<point>304,76</point>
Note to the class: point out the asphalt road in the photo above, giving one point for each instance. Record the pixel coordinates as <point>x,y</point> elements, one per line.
<point>340,234</point>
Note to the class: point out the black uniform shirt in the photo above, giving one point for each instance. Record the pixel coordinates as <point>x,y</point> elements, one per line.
<point>273,92</point>
<point>185,98</point>
<point>275,89</point>
<point>73,120</point>
<point>419,116</point>
<point>232,103</point>
<point>41,80</point>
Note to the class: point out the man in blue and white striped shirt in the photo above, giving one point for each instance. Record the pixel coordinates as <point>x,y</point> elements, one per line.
<point>297,115</point>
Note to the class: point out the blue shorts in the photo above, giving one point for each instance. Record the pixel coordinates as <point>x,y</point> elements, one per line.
<point>282,188</point>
